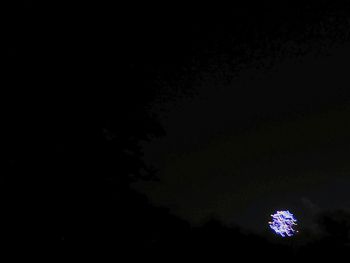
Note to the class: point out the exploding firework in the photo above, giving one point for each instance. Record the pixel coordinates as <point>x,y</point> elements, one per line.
<point>283,223</point>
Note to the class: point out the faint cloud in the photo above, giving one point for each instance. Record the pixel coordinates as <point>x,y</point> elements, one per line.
<point>309,205</point>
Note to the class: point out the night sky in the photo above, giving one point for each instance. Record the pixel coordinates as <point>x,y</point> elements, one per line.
<point>169,129</point>
<point>292,151</point>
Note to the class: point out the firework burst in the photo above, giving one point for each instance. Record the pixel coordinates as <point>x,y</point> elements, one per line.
<point>283,223</point>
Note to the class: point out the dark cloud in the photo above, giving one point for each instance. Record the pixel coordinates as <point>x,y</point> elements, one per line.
<point>213,162</point>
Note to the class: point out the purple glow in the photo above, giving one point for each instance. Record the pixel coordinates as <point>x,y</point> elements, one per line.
<point>282,223</point>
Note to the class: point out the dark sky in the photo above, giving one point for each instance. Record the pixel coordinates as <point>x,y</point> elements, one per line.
<point>238,111</point>
<point>271,133</point>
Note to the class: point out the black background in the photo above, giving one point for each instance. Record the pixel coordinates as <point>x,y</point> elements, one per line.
<point>78,84</point>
